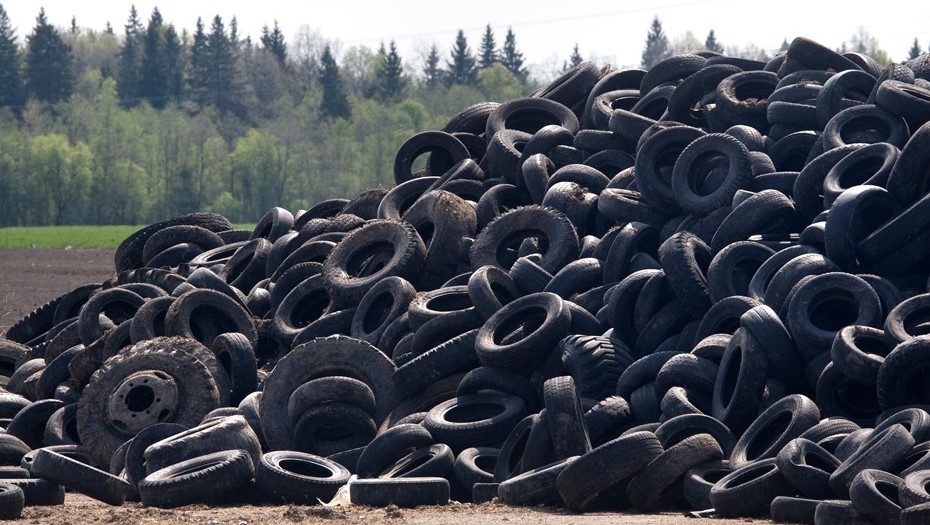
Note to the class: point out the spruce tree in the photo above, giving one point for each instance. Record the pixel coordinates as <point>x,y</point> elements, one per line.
<point>915,50</point>
<point>391,80</point>
<point>511,58</point>
<point>129,80</point>
<point>711,44</point>
<point>154,86</point>
<point>198,80</point>
<point>784,45</point>
<point>575,58</point>
<point>335,101</point>
<point>221,77</point>
<point>49,69</point>
<point>656,48</point>
<point>432,73</point>
<point>462,68</point>
<point>273,41</point>
<point>487,53</point>
<point>12,92</point>
<point>174,63</point>
<point>108,29</point>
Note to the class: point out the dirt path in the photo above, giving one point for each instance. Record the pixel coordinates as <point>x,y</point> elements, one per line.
<point>30,278</point>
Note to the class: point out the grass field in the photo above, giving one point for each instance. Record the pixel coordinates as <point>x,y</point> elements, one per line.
<point>69,236</point>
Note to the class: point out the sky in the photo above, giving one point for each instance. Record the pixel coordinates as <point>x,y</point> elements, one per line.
<point>546,31</point>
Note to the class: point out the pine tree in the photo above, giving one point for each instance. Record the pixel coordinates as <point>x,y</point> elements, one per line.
<point>711,44</point>
<point>391,80</point>
<point>915,50</point>
<point>174,63</point>
<point>656,48</point>
<point>513,59</point>
<point>488,55</point>
<point>574,59</point>
<point>49,69</point>
<point>784,45</point>
<point>74,29</point>
<point>221,78</point>
<point>335,102</point>
<point>432,73</point>
<point>462,68</point>
<point>108,29</point>
<point>129,80</point>
<point>198,83</point>
<point>12,92</point>
<point>273,41</point>
<point>154,85</point>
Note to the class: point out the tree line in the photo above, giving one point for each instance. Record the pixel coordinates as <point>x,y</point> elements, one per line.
<point>135,125</point>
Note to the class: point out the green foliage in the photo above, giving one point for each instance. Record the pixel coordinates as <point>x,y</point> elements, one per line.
<point>711,43</point>
<point>274,42</point>
<point>487,53</point>
<point>511,58</point>
<point>390,77</point>
<point>915,50</point>
<point>432,71</point>
<point>657,47</point>
<point>12,91</point>
<point>130,61</point>
<point>49,74</point>
<point>461,69</point>
<point>335,102</point>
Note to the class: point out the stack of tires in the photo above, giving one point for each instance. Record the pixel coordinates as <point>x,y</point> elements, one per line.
<point>701,286</point>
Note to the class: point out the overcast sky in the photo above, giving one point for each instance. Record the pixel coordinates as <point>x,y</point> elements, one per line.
<point>546,30</point>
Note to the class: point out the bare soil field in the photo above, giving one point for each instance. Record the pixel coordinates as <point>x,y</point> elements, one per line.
<point>30,278</point>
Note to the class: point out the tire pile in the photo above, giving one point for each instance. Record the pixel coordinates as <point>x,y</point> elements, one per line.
<point>703,286</point>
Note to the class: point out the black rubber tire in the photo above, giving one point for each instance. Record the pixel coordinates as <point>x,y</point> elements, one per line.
<point>380,306</point>
<point>677,429</point>
<point>228,433</point>
<point>401,492</point>
<point>740,382</point>
<point>565,417</point>
<point>692,181</point>
<point>553,227</point>
<point>662,150</point>
<point>128,254</point>
<point>12,501</point>
<point>808,467</point>
<point>390,446</point>
<point>134,467</point>
<point>379,249</point>
<point>216,313</point>
<point>788,509</point>
<point>202,479</point>
<point>875,494</point>
<point>838,511</point>
<point>469,421</point>
<point>748,491</point>
<point>80,477</point>
<point>653,488</point>
<point>535,487</point>
<point>548,315</point>
<point>335,355</point>
<point>882,451</point>
<point>768,211</point>
<point>197,392</point>
<point>299,478</point>
<point>897,382</point>
<point>685,259</point>
<point>39,492</point>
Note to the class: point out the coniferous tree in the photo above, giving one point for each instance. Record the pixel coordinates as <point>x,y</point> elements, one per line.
<point>129,81</point>
<point>487,53</point>
<point>711,44</point>
<point>656,48</point>
<point>915,50</point>
<point>198,80</point>
<point>335,101</point>
<point>174,63</point>
<point>462,68</point>
<point>273,41</point>
<point>74,29</point>
<point>511,58</point>
<point>391,80</point>
<point>784,45</point>
<point>49,69</point>
<point>155,82</point>
<point>12,92</point>
<point>432,73</point>
<point>575,59</point>
<point>221,77</point>
<point>108,29</point>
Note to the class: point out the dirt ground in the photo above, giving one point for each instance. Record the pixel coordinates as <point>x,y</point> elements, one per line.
<point>30,278</point>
